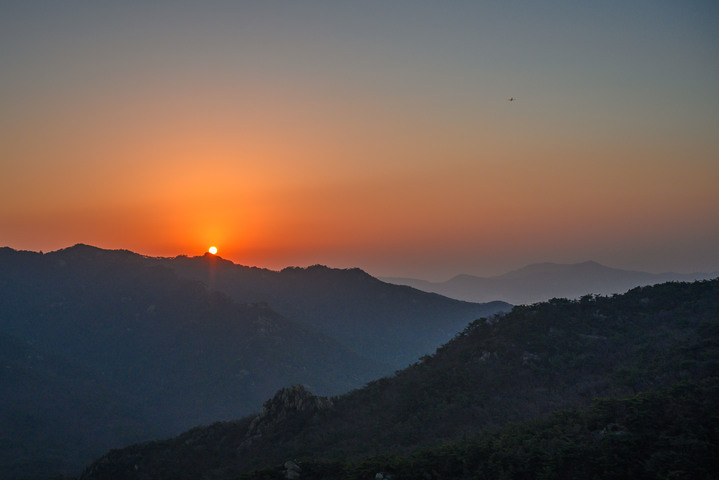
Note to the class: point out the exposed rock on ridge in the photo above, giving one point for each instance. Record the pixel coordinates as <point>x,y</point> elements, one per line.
<point>287,404</point>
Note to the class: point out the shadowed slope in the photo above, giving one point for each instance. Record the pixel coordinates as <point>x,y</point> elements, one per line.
<point>166,350</point>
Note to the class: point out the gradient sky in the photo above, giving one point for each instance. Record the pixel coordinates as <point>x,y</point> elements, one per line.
<point>374,134</point>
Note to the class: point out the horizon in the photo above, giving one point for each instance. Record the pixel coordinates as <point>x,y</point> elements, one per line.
<point>407,139</point>
<point>380,277</point>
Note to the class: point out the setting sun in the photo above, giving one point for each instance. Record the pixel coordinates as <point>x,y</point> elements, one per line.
<point>213,250</point>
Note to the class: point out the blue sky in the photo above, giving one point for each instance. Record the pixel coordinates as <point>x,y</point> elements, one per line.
<point>370,134</point>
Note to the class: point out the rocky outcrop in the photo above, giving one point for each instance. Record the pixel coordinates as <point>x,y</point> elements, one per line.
<point>292,470</point>
<point>291,403</point>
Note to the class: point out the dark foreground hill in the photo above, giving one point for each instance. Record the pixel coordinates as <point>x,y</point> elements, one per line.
<point>525,365</point>
<point>543,281</point>
<point>668,433</point>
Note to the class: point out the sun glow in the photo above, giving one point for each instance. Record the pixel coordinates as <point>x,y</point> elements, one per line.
<point>212,250</point>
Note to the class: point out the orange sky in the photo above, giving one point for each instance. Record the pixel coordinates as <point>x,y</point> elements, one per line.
<point>364,137</point>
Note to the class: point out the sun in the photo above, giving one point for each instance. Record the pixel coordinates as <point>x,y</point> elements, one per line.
<point>213,250</point>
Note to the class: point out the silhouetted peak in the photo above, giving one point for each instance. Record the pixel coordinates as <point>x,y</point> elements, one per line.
<point>551,268</point>
<point>80,248</point>
<point>293,399</point>
<point>311,268</point>
<point>7,251</point>
<point>286,404</point>
<point>87,253</point>
<point>215,258</point>
<point>591,264</point>
<point>206,258</point>
<point>316,270</point>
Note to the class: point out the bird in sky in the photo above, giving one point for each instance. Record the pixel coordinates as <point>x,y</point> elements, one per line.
<point>511,99</point>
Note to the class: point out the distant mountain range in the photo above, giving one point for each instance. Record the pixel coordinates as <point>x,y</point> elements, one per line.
<point>455,414</point>
<point>543,281</point>
<point>99,348</point>
<point>103,348</point>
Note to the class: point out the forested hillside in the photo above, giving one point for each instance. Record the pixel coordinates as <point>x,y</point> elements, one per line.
<point>668,433</point>
<point>525,365</point>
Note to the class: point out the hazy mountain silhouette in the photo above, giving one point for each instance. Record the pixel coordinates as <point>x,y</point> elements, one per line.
<point>155,352</point>
<point>389,323</point>
<point>543,281</point>
<point>155,345</point>
<point>531,362</point>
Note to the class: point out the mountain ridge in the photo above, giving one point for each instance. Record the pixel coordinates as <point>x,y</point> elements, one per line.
<point>542,281</point>
<point>393,324</point>
<point>160,354</point>
<point>169,350</point>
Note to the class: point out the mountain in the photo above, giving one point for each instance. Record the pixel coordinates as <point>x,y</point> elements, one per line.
<point>543,281</point>
<point>461,405</point>
<point>160,345</point>
<point>106,347</point>
<point>391,324</point>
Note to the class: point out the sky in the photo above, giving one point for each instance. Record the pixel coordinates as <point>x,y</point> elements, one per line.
<point>373,134</point>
